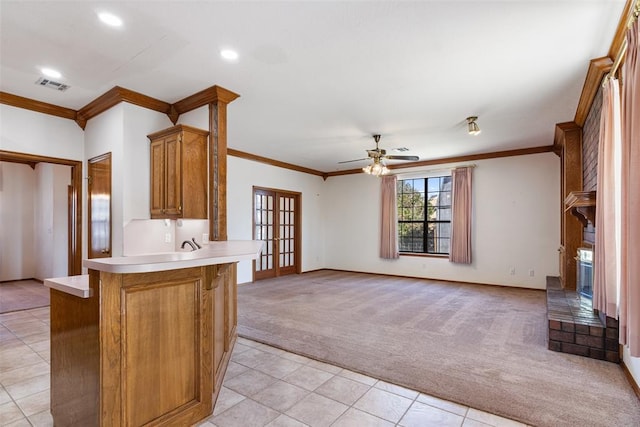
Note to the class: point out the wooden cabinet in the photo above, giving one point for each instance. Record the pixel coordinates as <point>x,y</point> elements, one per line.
<point>179,173</point>
<point>145,349</point>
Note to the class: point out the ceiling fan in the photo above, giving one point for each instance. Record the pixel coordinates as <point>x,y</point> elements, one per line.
<point>378,154</point>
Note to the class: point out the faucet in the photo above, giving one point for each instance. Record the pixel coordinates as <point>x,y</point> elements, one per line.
<point>193,239</point>
<point>193,247</point>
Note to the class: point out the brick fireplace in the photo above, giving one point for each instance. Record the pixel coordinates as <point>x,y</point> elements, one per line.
<point>575,328</point>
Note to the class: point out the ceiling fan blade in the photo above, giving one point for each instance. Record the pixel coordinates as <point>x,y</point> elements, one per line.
<point>356,160</point>
<point>402,157</point>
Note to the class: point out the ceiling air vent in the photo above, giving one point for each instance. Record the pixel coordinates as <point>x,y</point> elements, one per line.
<point>52,84</point>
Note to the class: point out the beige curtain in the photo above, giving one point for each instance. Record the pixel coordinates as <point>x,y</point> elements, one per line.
<point>630,183</point>
<point>389,219</point>
<point>460,251</point>
<point>605,281</point>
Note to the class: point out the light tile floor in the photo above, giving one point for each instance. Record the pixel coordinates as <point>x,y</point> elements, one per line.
<point>263,386</point>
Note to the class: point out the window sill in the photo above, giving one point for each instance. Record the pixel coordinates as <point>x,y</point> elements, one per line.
<point>444,256</point>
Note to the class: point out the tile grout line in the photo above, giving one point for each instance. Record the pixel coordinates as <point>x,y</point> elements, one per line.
<point>13,400</point>
<point>413,400</point>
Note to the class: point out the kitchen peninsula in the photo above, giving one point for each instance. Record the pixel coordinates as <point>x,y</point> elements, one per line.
<point>144,340</point>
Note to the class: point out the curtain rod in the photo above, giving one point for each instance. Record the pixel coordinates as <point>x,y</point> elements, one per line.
<point>623,47</point>
<point>614,68</point>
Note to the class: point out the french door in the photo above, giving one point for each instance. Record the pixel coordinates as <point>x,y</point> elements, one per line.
<point>277,223</point>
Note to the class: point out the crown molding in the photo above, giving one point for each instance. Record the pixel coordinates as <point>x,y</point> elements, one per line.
<point>38,106</point>
<point>272,162</point>
<point>115,96</point>
<point>325,175</point>
<point>565,133</point>
<point>598,69</point>
<point>204,97</point>
<point>14,157</point>
<point>457,159</point>
<point>562,129</point>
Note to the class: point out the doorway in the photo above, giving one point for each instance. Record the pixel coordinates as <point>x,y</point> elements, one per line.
<point>276,221</point>
<point>99,210</point>
<point>74,198</point>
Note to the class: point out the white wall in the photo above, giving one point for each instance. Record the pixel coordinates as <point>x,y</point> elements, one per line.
<point>33,221</point>
<point>516,225</point>
<point>60,185</point>
<point>104,134</point>
<point>17,187</point>
<point>242,175</point>
<point>198,118</point>
<point>122,130</point>
<point>516,201</point>
<point>138,123</point>
<point>43,224</point>
<point>25,131</point>
<point>29,132</point>
<point>632,363</point>
<point>51,220</point>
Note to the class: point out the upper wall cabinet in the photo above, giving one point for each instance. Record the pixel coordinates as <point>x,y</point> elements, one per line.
<point>179,173</point>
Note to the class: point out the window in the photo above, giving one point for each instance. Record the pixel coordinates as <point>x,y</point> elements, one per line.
<point>424,215</point>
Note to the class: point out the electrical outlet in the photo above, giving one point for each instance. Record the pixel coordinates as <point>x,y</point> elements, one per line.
<point>512,271</point>
<point>532,273</point>
<point>205,238</point>
<point>167,237</point>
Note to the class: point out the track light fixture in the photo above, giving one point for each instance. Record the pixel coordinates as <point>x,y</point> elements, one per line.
<point>474,129</point>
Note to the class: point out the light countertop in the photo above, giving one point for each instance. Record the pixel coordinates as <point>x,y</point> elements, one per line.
<point>74,285</point>
<point>212,253</point>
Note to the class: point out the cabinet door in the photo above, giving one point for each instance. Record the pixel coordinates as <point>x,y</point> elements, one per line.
<point>173,175</point>
<point>157,178</point>
<point>165,348</point>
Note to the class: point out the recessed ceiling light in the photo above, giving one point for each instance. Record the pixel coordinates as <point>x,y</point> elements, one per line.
<point>110,19</point>
<point>229,55</point>
<point>50,72</point>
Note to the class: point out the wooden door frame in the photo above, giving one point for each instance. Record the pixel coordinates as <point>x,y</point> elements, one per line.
<point>75,201</point>
<point>297,218</point>
<point>92,160</point>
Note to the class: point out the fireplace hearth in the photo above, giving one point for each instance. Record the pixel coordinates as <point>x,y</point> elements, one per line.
<point>575,328</point>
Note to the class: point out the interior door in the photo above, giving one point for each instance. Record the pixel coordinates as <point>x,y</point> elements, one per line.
<point>277,223</point>
<point>100,206</point>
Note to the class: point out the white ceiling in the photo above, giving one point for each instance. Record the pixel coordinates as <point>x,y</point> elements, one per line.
<point>317,79</point>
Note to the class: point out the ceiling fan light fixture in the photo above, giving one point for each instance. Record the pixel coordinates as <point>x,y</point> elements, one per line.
<point>474,129</point>
<point>377,168</point>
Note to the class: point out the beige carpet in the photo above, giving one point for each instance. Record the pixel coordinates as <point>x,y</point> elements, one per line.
<point>481,346</point>
<point>22,295</point>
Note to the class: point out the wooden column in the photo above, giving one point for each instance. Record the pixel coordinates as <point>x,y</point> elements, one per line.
<point>217,99</point>
<point>568,145</point>
<point>218,162</point>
